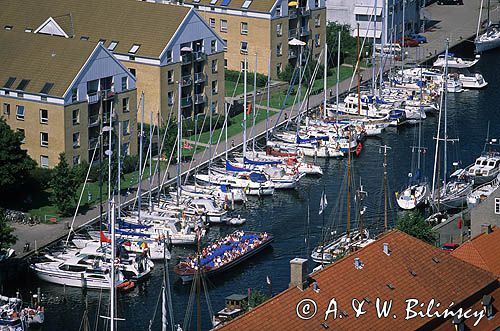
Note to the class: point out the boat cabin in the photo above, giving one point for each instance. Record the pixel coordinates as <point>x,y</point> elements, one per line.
<point>233,307</point>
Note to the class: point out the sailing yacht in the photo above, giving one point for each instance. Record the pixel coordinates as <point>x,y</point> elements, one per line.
<point>488,40</point>
<point>454,61</point>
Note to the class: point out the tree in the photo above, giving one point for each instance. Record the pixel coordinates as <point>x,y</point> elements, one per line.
<point>64,187</point>
<point>414,224</point>
<point>255,299</point>
<point>348,43</point>
<point>7,239</point>
<point>15,164</point>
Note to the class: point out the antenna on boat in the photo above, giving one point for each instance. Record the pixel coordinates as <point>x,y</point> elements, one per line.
<point>385,148</point>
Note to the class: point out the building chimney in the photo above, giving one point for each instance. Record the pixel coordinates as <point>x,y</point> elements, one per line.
<point>298,271</point>
<point>357,263</point>
<point>387,251</point>
<point>486,228</point>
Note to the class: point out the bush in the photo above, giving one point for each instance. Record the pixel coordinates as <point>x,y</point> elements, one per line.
<point>130,164</point>
<point>232,75</point>
<point>80,171</point>
<point>40,179</point>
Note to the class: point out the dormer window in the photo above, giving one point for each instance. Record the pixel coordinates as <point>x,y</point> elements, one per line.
<point>213,2</point>
<point>85,38</point>
<point>134,48</point>
<point>8,27</point>
<point>112,45</point>
<point>9,82</point>
<point>28,30</point>
<point>102,41</point>
<point>22,85</point>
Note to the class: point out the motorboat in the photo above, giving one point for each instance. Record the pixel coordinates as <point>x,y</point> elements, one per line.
<point>15,315</point>
<point>485,168</point>
<point>413,196</point>
<point>488,40</point>
<point>482,192</point>
<point>454,61</point>
<point>336,249</point>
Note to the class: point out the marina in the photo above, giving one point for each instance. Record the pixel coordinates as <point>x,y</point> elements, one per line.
<point>315,182</point>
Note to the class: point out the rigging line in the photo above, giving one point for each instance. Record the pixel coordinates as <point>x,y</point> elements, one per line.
<point>207,297</point>
<point>162,145</point>
<point>156,308</point>
<point>189,308</point>
<point>98,310</point>
<point>195,148</point>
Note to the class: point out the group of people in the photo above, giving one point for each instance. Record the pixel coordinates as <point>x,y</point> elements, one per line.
<point>227,249</point>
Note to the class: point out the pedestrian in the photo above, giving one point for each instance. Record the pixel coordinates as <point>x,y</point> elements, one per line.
<point>232,143</point>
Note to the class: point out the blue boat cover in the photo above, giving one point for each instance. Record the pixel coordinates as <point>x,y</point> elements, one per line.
<point>225,188</point>
<point>258,177</point>
<point>227,246</point>
<point>309,140</point>
<point>130,226</point>
<point>230,167</point>
<point>248,161</point>
<point>134,234</point>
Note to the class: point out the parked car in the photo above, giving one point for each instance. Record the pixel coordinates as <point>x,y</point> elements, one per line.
<point>418,37</point>
<point>409,42</point>
<point>448,247</point>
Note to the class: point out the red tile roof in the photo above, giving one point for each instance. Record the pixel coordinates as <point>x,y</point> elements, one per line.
<point>413,269</point>
<point>482,251</point>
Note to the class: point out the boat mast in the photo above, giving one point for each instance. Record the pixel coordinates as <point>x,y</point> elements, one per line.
<point>338,74</point>
<point>119,188</point>
<point>179,139</point>
<point>382,53</point>
<point>325,71</point>
<point>445,158</point>
<point>359,78</point>
<point>254,103</point>
<point>245,108</point>
<point>159,155</point>
<point>385,148</point>
<point>150,182</point>
<point>113,257</point>
<point>403,39</point>
<point>139,189</point>
<point>374,77</point>
<point>268,94</point>
<point>479,19</point>
<point>225,121</point>
<point>349,185</point>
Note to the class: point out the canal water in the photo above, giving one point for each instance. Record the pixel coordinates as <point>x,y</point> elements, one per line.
<point>285,215</point>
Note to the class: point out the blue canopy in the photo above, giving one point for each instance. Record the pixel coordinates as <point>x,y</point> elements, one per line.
<point>225,188</point>
<point>258,177</point>
<point>135,234</point>
<point>309,140</point>
<point>248,161</point>
<point>230,167</point>
<point>127,225</point>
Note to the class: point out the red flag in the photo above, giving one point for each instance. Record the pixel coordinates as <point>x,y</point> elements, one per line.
<point>104,239</point>
<point>459,223</point>
<point>249,110</point>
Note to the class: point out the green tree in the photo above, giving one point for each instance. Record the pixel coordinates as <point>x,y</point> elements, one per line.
<point>64,187</point>
<point>7,238</point>
<point>348,44</point>
<point>414,224</point>
<point>256,298</point>
<point>15,164</point>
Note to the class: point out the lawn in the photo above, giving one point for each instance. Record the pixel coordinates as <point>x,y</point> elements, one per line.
<point>230,85</point>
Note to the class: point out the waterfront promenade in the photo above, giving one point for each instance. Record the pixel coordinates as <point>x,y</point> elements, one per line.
<point>457,23</point>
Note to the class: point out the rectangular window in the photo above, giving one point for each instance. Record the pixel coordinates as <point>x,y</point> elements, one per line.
<point>278,11</point>
<point>44,116</point>
<point>278,68</point>
<point>132,71</point>
<point>125,108</point>
<point>170,98</point>
<point>213,46</point>
<point>214,107</point>
<point>212,22</point>
<point>279,29</point>
<point>134,48</point>
<point>44,161</point>
<point>317,40</point>
<point>215,66</point>
<point>74,94</point>
<point>76,139</point>
<point>76,160</point>
<point>125,128</point>
<point>225,63</point>
<point>112,45</point>
<point>317,21</point>
<point>242,65</point>
<point>44,139</point>
<point>124,83</point>
<point>215,90</point>
<point>246,4</point>
<point>223,26</point>
<point>125,149</point>
<point>20,113</point>
<point>170,76</point>
<point>316,3</point>
<point>76,116</point>
<point>21,131</point>
<point>6,109</point>
<point>92,86</point>
<point>497,206</point>
<point>169,56</point>
<point>244,47</point>
<point>279,49</point>
<point>225,45</point>
<point>244,28</point>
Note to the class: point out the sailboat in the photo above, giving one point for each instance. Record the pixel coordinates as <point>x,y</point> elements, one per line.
<point>491,38</point>
<point>454,190</point>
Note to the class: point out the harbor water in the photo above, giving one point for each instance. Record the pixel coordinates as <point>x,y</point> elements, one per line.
<point>285,215</point>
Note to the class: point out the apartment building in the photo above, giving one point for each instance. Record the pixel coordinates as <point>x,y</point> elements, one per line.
<point>385,19</point>
<point>161,44</point>
<point>264,27</point>
<point>60,93</point>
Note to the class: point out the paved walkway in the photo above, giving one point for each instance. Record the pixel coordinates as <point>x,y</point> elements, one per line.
<point>455,22</point>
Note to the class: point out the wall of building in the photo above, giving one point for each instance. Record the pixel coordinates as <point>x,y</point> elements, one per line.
<point>484,213</point>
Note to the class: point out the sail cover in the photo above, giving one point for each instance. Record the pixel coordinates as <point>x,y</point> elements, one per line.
<point>127,225</point>
<point>309,140</point>
<point>258,177</point>
<point>248,161</point>
<point>230,167</point>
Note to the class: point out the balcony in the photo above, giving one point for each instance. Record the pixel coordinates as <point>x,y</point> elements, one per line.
<point>186,101</point>
<point>303,11</point>
<point>93,120</point>
<point>93,97</point>
<point>93,142</point>
<point>304,31</point>
<point>199,99</point>
<point>186,59</point>
<point>292,54</point>
<point>199,56</point>
<point>186,80</point>
<point>292,13</point>
<point>199,78</point>
<point>108,94</point>
<point>292,33</point>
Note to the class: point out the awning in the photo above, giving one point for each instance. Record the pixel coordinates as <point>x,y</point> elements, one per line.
<point>366,10</point>
<point>367,33</point>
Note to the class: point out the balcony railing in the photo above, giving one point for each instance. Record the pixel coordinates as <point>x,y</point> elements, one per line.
<point>108,94</point>
<point>93,142</point>
<point>292,54</point>
<point>303,11</point>
<point>93,120</point>
<point>199,56</point>
<point>186,101</point>
<point>199,77</point>
<point>199,99</point>
<point>304,31</point>
<point>186,80</point>
<point>292,13</point>
<point>292,33</point>
<point>93,97</point>
<point>186,59</point>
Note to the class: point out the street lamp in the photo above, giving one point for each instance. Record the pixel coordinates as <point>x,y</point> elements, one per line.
<point>301,44</point>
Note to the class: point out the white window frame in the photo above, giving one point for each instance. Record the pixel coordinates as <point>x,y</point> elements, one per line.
<point>170,98</point>
<point>243,31</point>
<point>112,45</point>
<point>44,143</point>
<point>223,25</point>
<point>215,65</point>
<point>124,83</point>
<point>134,48</point>
<point>279,49</point>
<point>76,120</point>
<point>279,29</point>
<point>213,45</point>
<point>170,76</point>
<point>245,49</point>
<point>211,21</point>
<point>20,117</point>
<point>246,4</point>
<point>44,120</point>
<point>126,127</point>
<point>225,45</point>
<point>42,164</point>
<point>125,105</point>
<point>77,144</point>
